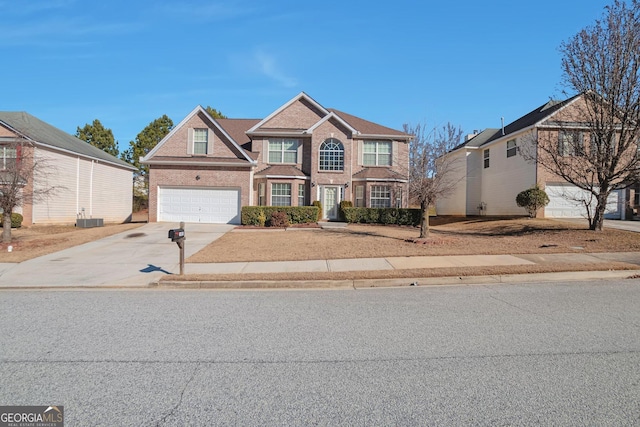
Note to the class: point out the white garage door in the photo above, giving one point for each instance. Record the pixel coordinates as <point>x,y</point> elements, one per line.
<point>565,201</point>
<point>206,205</point>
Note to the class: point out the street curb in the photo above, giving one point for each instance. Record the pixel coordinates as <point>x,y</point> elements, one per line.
<point>401,282</point>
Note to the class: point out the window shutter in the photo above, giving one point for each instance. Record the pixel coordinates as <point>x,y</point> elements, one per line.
<point>394,153</point>
<point>299,160</point>
<point>190,141</point>
<point>210,135</point>
<point>265,151</point>
<point>360,144</point>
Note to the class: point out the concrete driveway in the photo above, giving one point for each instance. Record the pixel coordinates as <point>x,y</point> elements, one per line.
<point>608,223</point>
<point>135,257</point>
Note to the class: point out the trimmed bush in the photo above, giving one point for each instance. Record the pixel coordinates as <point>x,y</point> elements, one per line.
<point>253,215</point>
<point>279,219</point>
<point>318,204</point>
<point>382,216</point>
<point>344,204</point>
<point>532,200</point>
<point>16,220</point>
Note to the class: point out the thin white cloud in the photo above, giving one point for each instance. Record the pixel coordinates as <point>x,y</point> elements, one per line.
<point>56,30</point>
<point>205,10</point>
<point>269,66</point>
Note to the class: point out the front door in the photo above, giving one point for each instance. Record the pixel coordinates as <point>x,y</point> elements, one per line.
<point>330,202</point>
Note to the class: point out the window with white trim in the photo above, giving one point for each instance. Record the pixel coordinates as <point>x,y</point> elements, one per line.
<point>570,143</point>
<point>360,196</point>
<point>486,156</point>
<point>283,150</point>
<point>512,149</point>
<point>262,190</point>
<point>331,155</point>
<point>300,194</point>
<point>380,196</point>
<point>376,153</point>
<point>9,158</point>
<point>200,141</point>
<point>280,194</point>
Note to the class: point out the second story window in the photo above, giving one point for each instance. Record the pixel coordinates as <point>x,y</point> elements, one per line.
<point>9,158</point>
<point>283,150</point>
<point>512,149</point>
<point>331,155</point>
<point>376,153</point>
<point>570,143</point>
<point>487,157</point>
<point>200,141</point>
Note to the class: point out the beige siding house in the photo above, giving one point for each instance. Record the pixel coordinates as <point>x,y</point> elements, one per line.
<point>206,169</point>
<point>500,163</point>
<point>90,183</point>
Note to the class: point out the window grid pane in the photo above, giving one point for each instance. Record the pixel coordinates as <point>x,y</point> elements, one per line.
<point>281,194</point>
<point>376,153</point>
<point>283,150</point>
<point>200,139</point>
<point>331,156</point>
<point>300,194</point>
<point>380,196</point>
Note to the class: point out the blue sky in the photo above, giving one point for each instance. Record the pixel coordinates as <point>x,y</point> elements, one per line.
<point>467,62</point>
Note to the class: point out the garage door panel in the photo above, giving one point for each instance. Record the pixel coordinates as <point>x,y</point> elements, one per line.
<point>205,205</point>
<point>566,201</point>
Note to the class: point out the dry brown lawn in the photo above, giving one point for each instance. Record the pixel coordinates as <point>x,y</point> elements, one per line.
<point>449,236</point>
<point>38,240</point>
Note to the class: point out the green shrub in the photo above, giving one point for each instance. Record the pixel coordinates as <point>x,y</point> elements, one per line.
<point>16,220</point>
<point>262,218</point>
<point>344,204</point>
<point>382,216</point>
<point>318,204</point>
<point>532,200</point>
<point>252,215</point>
<point>279,219</point>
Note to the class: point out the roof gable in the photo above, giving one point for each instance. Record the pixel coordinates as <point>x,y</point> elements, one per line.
<point>300,97</point>
<point>199,110</point>
<point>533,118</point>
<point>46,135</point>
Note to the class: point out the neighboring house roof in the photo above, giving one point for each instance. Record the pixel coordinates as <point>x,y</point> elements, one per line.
<point>281,171</point>
<point>379,174</point>
<point>478,140</point>
<point>44,134</point>
<point>531,119</point>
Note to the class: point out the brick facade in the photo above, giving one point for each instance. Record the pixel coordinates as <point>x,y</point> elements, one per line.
<point>171,165</point>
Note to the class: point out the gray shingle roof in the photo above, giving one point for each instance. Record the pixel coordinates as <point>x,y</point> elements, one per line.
<point>43,133</point>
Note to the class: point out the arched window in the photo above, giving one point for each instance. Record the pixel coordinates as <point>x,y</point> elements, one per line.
<point>331,155</point>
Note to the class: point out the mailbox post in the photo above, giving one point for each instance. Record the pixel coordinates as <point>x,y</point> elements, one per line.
<point>177,235</point>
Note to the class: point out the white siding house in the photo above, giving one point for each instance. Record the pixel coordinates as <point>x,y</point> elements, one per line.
<point>88,182</point>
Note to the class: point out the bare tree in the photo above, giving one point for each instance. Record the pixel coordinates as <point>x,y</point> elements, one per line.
<point>596,148</point>
<point>432,174</point>
<point>18,167</point>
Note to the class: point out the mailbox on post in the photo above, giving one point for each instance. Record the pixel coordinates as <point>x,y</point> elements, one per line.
<point>177,235</point>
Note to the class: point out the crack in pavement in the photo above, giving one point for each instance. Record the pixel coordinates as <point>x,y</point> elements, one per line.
<point>177,405</point>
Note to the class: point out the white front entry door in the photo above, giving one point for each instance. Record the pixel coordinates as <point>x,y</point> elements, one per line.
<point>330,202</point>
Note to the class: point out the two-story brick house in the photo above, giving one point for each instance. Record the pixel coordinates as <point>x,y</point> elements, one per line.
<point>206,169</point>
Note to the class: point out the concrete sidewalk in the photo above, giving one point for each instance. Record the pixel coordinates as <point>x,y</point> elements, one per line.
<point>400,263</point>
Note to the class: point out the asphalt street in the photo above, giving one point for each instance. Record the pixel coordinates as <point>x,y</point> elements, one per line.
<point>511,354</point>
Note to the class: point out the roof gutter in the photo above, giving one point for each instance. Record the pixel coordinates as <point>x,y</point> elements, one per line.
<point>175,163</point>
